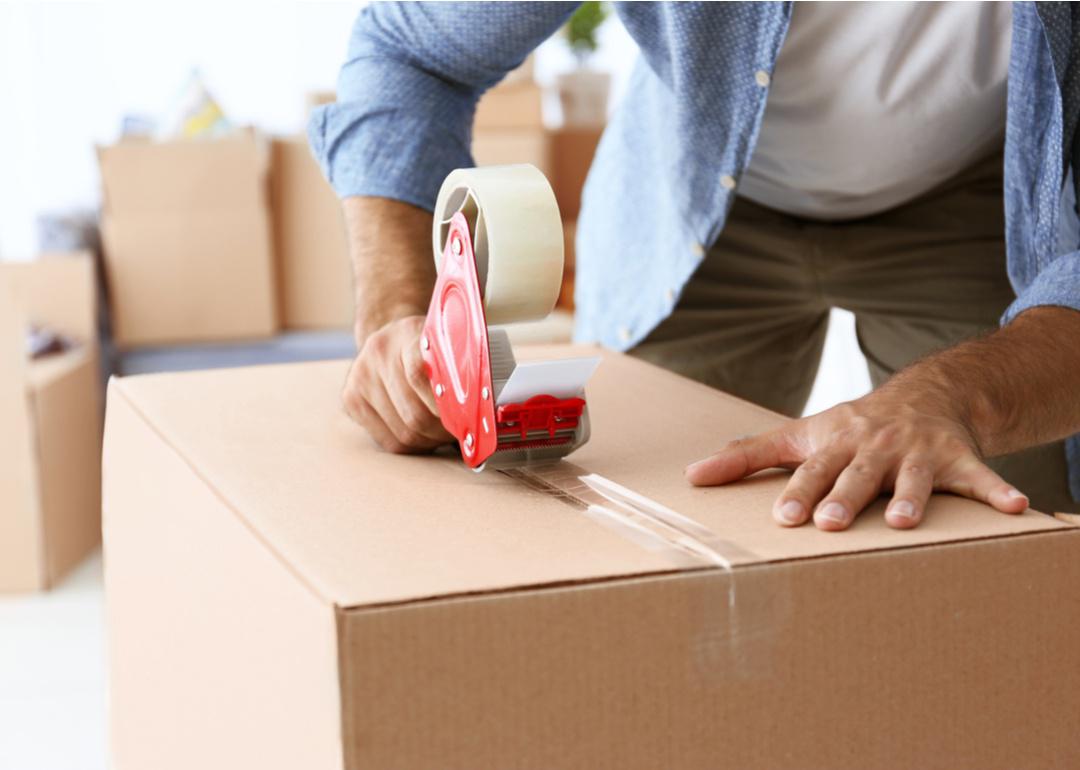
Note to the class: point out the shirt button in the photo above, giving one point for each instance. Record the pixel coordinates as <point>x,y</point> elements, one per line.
<point>669,295</point>
<point>697,249</point>
<point>727,181</point>
<point>762,78</point>
<point>624,334</point>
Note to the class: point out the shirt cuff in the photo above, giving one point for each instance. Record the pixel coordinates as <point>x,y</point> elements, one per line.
<point>370,144</point>
<point>1058,283</point>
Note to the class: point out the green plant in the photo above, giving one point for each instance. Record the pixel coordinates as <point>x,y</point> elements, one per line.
<point>580,29</point>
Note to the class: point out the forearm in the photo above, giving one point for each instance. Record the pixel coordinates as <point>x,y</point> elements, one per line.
<point>1013,389</point>
<point>393,268</point>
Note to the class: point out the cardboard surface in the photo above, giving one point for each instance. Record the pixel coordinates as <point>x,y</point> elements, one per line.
<point>314,278</point>
<point>187,240</point>
<point>371,508</point>
<point>280,591</point>
<point>516,104</point>
<point>21,549</point>
<point>495,147</point>
<point>51,410</point>
<point>572,152</point>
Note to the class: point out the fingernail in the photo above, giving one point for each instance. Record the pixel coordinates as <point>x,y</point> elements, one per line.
<point>902,508</point>
<point>791,512</point>
<point>1015,494</point>
<point>833,512</point>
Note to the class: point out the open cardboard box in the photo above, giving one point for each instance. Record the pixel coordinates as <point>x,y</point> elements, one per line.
<point>186,233</point>
<point>314,276</point>
<point>50,410</point>
<point>282,595</point>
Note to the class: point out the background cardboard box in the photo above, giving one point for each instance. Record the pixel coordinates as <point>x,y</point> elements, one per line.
<point>315,278</point>
<point>187,240</point>
<point>281,595</point>
<point>513,104</point>
<point>564,155</point>
<point>50,410</point>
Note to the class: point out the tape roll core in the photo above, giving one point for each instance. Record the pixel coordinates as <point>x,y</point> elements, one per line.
<point>517,237</point>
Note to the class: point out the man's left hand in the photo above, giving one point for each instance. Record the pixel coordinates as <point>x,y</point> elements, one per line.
<point>846,456</point>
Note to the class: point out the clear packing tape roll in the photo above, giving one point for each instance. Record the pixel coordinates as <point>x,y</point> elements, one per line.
<point>516,233</point>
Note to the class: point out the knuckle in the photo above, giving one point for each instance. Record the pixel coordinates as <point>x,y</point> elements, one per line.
<point>354,403</point>
<point>410,437</point>
<point>889,437</point>
<point>814,468</point>
<point>916,469</point>
<point>863,470</point>
<point>375,345</point>
<point>415,371</point>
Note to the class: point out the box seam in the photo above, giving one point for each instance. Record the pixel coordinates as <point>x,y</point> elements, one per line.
<point>552,586</point>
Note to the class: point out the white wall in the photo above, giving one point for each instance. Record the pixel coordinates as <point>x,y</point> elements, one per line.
<point>70,71</point>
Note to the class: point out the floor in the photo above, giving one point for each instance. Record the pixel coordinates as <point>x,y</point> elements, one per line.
<point>52,646</point>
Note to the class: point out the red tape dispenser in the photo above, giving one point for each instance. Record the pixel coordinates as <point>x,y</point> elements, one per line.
<point>499,252</point>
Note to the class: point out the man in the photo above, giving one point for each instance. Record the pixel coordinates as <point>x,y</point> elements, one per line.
<point>767,163</point>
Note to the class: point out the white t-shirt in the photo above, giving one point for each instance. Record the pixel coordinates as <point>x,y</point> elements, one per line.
<point>872,104</point>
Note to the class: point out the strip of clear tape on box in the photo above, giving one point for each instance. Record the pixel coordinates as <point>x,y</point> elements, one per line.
<point>738,618</point>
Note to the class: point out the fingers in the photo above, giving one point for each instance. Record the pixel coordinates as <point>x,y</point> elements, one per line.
<point>807,485</point>
<point>911,492</point>
<point>387,391</point>
<point>742,457</point>
<point>419,417</point>
<point>357,407</point>
<point>415,372</point>
<point>971,478</point>
<point>856,486</point>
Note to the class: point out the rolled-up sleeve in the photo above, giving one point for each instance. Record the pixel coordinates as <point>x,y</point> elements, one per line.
<point>409,87</point>
<point>1057,283</point>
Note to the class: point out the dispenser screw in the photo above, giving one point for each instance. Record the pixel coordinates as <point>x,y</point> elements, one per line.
<point>438,389</point>
<point>484,393</point>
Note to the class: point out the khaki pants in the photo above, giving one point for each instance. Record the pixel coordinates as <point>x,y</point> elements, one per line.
<point>921,277</point>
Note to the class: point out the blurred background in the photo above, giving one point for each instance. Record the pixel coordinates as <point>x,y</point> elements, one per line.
<point>159,210</point>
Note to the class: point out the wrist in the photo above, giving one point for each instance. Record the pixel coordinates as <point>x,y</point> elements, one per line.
<point>371,320</point>
<point>929,391</point>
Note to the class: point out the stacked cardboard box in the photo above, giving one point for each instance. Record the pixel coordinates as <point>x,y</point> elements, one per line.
<point>283,595</point>
<point>187,240</point>
<point>314,277</point>
<point>50,413</point>
<point>509,129</point>
<point>200,250</point>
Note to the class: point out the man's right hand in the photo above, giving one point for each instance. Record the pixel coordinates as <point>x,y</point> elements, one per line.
<point>387,390</point>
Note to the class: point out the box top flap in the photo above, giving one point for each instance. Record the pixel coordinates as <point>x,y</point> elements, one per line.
<point>218,175</point>
<point>364,527</point>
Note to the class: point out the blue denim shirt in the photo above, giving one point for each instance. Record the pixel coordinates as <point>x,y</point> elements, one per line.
<point>654,200</point>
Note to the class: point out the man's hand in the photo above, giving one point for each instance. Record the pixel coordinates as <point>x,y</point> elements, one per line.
<point>844,457</point>
<point>387,390</point>
<point>924,430</point>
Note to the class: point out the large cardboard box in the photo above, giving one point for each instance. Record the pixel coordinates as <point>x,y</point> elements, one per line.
<point>314,277</point>
<point>50,423</point>
<point>186,232</point>
<point>281,594</point>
